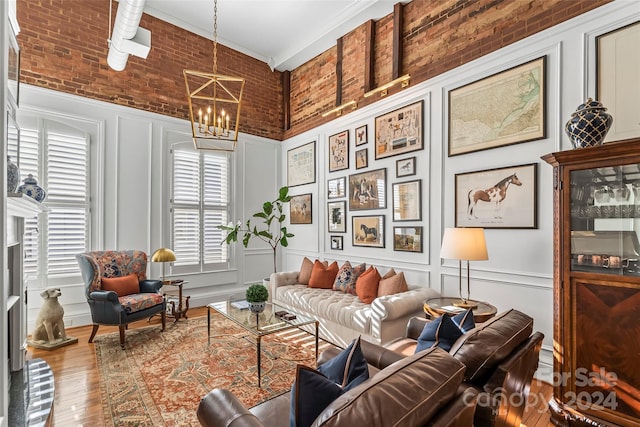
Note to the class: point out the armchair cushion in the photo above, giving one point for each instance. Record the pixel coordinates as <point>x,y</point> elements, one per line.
<point>441,332</point>
<point>136,302</point>
<point>124,285</point>
<point>348,368</point>
<point>311,393</point>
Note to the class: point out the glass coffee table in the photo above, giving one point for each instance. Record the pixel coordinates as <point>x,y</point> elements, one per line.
<point>259,325</point>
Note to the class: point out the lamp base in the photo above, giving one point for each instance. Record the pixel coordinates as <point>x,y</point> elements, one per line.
<point>466,304</point>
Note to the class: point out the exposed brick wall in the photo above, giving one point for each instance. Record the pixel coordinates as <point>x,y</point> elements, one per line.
<point>64,48</point>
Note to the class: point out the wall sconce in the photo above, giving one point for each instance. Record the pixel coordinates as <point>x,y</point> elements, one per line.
<point>338,110</point>
<point>384,88</point>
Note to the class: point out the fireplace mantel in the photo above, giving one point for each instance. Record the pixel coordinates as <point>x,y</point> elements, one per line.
<point>19,204</point>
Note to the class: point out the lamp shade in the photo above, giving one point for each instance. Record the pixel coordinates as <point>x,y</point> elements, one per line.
<point>464,244</point>
<point>163,255</point>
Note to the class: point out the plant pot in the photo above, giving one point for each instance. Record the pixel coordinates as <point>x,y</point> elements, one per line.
<point>257,307</point>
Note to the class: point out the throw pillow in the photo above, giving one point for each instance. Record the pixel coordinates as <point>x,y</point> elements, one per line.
<point>323,276</point>
<point>392,285</point>
<point>310,394</point>
<point>125,285</point>
<point>464,321</point>
<point>389,273</point>
<point>441,332</point>
<point>349,368</point>
<point>347,276</point>
<point>367,285</point>
<point>305,271</point>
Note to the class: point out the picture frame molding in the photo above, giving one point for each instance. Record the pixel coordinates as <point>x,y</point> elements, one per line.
<point>311,168</point>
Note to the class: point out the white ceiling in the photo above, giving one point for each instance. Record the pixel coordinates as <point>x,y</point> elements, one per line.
<point>283,33</point>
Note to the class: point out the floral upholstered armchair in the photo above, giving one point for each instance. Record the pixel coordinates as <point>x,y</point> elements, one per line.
<point>117,289</point>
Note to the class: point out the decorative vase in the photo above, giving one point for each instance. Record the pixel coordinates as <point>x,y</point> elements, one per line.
<point>589,124</point>
<point>32,189</point>
<point>13,175</point>
<point>257,307</point>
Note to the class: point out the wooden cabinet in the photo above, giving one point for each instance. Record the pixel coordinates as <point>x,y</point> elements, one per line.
<point>596,285</point>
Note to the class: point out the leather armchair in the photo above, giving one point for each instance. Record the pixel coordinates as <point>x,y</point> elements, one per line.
<point>107,308</point>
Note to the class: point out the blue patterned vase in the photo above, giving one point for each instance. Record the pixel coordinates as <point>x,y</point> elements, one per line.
<point>32,189</point>
<point>589,124</point>
<point>13,175</point>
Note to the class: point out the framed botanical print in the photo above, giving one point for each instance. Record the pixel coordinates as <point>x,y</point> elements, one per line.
<point>336,243</point>
<point>408,239</point>
<point>368,231</point>
<point>339,151</point>
<point>361,135</point>
<point>336,188</point>
<point>405,167</point>
<point>300,209</point>
<point>337,218</point>
<point>367,190</point>
<point>301,165</point>
<point>362,159</point>
<point>497,198</point>
<point>407,201</point>
<point>400,131</point>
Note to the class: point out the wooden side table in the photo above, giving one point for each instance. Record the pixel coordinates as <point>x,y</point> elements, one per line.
<point>436,307</point>
<point>179,311</point>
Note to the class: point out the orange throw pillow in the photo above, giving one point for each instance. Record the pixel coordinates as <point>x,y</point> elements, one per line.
<point>392,285</point>
<point>323,276</point>
<point>125,285</point>
<point>367,285</point>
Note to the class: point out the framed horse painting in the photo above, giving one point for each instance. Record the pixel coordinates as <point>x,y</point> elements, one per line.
<point>368,231</point>
<point>497,198</point>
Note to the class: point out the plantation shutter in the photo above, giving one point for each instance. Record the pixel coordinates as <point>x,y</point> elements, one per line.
<point>29,165</point>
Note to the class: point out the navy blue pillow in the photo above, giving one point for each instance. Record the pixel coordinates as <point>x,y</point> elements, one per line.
<point>347,369</point>
<point>310,394</point>
<point>441,332</point>
<point>464,321</point>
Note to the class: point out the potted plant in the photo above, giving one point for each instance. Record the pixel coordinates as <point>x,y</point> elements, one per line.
<point>257,296</point>
<point>270,228</point>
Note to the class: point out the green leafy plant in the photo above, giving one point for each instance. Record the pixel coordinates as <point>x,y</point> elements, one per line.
<point>270,228</point>
<point>257,293</point>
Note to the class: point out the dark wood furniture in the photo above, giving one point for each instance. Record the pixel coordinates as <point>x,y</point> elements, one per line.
<point>596,285</point>
<point>436,307</point>
<point>177,305</point>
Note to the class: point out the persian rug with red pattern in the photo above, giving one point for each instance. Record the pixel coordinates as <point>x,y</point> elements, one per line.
<point>160,377</point>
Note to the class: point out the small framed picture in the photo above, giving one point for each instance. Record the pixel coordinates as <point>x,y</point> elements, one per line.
<point>405,167</point>
<point>362,158</point>
<point>336,187</point>
<point>336,215</point>
<point>407,201</point>
<point>336,243</point>
<point>339,151</point>
<point>407,239</point>
<point>361,135</point>
<point>300,209</point>
<point>368,231</point>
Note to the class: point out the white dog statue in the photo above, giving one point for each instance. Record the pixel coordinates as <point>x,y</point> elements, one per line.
<point>49,324</point>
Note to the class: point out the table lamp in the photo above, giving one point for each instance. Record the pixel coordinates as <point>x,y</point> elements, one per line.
<point>464,244</point>
<point>163,255</point>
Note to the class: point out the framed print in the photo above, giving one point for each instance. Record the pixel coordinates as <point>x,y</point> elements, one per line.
<point>336,214</point>
<point>497,198</point>
<point>361,135</point>
<point>336,187</point>
<point>503,109</point>
<point>339,151</point>
<point>407,201</point>
<point>399,131</point>
<point>368,231</point>
<point>13,69</point>
<point>301,165</point>
<point>405,167</point>
<point>336,243</point>
<point>408,239</point>
<point>367,190</point>
<point>300,209</point>
<point>362,158</point>
<point>618,59</point>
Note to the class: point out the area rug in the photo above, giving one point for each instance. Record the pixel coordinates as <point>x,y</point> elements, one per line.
<point>160,377</point>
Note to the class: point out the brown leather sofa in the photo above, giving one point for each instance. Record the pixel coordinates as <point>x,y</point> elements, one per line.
<point>420,390</point>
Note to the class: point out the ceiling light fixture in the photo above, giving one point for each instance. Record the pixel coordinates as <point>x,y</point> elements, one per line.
<point>383,90</point>
<point>338,110</point>
<point>214,103</point>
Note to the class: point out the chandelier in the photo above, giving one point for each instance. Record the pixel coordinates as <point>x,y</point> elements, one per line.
<point>214,103</point>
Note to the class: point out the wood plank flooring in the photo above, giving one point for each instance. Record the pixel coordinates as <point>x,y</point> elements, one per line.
<point>77,397</point>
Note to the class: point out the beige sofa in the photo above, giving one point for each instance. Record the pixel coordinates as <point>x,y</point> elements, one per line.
<point>343,316</point>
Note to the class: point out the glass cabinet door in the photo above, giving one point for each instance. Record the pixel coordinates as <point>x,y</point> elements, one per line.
<point>605,219</point>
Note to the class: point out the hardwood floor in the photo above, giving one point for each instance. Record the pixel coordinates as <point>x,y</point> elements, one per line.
<point>77,396</point>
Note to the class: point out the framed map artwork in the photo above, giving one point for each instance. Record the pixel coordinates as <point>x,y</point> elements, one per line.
<point>339,151</point>
<point>503,109</point>
<point>301,165</point>
<point>399,131</point>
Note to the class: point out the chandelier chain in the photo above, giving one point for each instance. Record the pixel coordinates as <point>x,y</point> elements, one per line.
<point>215,36</point>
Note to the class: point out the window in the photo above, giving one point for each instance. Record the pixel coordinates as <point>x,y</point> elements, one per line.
<point>199,203</point>
<point>58,156</point>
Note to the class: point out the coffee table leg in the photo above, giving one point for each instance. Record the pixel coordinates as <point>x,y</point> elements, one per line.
<point>209,325</point>
<point>259,355</point>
